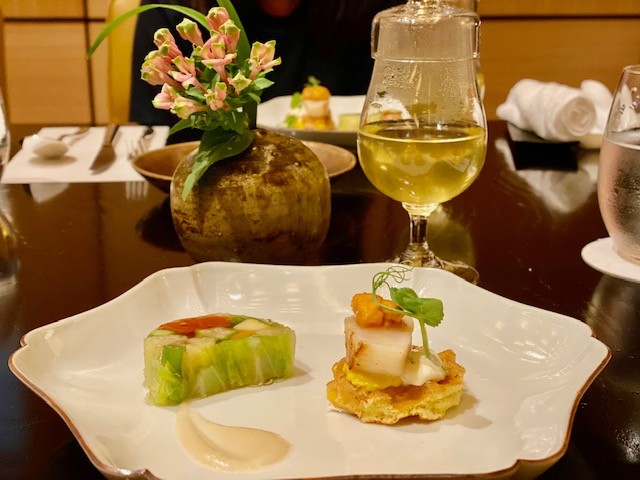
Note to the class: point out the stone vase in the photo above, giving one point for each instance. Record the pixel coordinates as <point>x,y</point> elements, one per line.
<point>269,204</point>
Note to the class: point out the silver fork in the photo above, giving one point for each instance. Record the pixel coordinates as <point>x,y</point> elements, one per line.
<point>139,146</point>
<point>135,190</point>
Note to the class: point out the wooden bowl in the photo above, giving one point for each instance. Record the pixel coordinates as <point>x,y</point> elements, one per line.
<point>157,166</point>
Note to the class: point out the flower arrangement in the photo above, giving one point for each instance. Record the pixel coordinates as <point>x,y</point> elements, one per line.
<point>216,88</point>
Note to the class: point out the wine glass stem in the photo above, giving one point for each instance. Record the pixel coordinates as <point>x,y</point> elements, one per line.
<point>418,252</point>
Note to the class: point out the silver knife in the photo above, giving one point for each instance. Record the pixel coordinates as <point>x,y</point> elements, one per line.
<point>107,154</point>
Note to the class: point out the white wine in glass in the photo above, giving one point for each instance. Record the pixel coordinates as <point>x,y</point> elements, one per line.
<point>422,137</point>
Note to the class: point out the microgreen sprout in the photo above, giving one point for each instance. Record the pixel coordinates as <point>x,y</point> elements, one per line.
<point>428,311</point>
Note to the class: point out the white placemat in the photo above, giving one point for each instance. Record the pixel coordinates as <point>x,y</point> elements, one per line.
<point>601,255</point>
<point>74,166</point>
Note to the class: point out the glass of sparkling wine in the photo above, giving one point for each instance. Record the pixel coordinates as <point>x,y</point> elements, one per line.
<point>422,136</point>
<point>619,167</point>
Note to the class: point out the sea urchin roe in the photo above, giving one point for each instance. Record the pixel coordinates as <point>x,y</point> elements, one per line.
<point>188,326</point>
<point>225,448</point>
<point>369,314</point>
<point>316,92</point>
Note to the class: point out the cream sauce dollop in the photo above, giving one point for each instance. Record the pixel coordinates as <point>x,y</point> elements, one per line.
<point>226,448</point>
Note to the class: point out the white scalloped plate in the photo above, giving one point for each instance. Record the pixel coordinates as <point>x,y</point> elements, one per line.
<point>526,371</point>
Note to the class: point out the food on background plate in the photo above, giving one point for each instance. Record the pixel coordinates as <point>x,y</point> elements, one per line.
<point>311,110</point>
<point>383,377</point>
<point>200,356</point>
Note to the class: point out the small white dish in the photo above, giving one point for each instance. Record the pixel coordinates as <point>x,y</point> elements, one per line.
<point>272,114</point>
<point>601,255</point>
<point>526,371</point>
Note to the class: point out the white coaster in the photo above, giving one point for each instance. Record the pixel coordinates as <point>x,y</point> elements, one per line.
<point>602,255</point>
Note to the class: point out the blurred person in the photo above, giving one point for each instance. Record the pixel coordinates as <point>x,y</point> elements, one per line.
<point>327,39</point>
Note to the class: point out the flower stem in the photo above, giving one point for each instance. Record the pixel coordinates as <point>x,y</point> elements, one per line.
<point>252,112</point>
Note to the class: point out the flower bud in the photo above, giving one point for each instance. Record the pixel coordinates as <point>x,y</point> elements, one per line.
<point>185,107</point>
<point>166,43</point>
<point>239,82</point>
<point>231,34</point>
<point>215,98</point>
<point>189,30</point>
<point>164,100</point>
<point>216,17</point>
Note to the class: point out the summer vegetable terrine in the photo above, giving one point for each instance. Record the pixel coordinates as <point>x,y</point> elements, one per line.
<point>201,356</point>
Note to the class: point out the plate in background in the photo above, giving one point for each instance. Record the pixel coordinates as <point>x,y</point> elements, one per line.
<point>157,166</point>
<point>272,114</point>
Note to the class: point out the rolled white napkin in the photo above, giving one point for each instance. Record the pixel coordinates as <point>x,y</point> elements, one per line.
<point>557,112</point>
<point>602,99</point>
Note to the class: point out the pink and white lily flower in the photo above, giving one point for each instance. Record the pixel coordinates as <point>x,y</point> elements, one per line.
<point>185,107</point>
<point>190,31</point>
<point>166,43</point>
<point>261,57</point>
<point>218,63</point>
<point>186,73</point>
<point>239,82</point>
<point>164,100</point>
<point>216,17</point>
<point>155,69</point>
<point>215,98</point>
<point>231,35</point>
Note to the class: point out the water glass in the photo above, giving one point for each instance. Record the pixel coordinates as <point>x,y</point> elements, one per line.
<point>619,167</point>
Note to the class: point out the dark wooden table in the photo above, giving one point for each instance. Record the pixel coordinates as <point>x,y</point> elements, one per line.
<point>83,245</point>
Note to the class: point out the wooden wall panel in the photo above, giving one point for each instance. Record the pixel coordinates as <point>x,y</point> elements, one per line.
<point>42,8</point>
<point>551,40</point>
<point>99,75</point>
<point>97,9</point>
<point>47,78</point>
<point>561,50</point>
<point>552,8</point>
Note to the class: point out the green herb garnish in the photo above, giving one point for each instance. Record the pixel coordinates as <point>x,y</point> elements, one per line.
<point>296,100</point>
<point>312,81</point>
<point>428,311</point>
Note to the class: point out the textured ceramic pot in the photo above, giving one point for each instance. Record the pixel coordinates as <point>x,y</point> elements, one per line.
<point>270,204</point>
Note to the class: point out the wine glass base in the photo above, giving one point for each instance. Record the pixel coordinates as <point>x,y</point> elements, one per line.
<point>461,269</point>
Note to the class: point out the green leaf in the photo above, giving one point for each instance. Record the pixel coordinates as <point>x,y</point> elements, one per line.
<point>262,83</point>
<point>190,12</point>
<point>296,100</point>
<point>312,81</point>
<point>290,121</point>
<point>254,96</point>
<point>428,310</point>
<point>180,125</point>
<point>216,145</point>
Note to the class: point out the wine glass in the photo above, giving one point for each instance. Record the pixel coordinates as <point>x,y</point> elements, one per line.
<point>619,167</point>
<point>422,136</point>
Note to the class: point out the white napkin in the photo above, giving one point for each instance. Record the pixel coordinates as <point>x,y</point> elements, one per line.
<point>558,112</point>
<point>74,166</point>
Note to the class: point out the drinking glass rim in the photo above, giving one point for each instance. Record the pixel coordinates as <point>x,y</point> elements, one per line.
<point>632,69</point>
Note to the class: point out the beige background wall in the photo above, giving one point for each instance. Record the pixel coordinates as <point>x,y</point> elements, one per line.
<point>48,80</point>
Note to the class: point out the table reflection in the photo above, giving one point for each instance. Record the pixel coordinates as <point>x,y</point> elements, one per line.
<point>613,315</point>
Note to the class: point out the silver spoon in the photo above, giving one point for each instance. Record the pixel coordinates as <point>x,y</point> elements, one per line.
<point>54,147</point>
